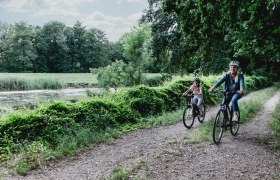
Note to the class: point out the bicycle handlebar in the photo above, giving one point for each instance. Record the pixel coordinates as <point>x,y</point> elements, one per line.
<point>222,92</point>
<point>188,95</point>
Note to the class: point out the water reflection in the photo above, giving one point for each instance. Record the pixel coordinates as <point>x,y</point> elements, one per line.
<point>21,99</point>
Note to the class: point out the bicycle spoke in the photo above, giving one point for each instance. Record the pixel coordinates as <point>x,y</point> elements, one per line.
<point>202,114</point>
<point>218,127</point>
<point>188,118</point>
<point>234,126</point>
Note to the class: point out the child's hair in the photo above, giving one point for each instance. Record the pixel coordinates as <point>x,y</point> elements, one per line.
<point>196,79</point>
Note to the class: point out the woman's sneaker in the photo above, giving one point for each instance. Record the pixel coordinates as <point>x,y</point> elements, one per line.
<point>235,118</point>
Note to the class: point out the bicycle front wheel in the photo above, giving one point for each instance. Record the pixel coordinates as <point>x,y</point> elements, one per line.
<point>218,128</point>
<point>188,118</point>
<point>202,114</point>
<point>234,126</point>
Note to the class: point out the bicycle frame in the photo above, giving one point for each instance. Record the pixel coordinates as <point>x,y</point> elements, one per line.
<point>227,109</point>
<point>192,104</point>
<point>223,121</point>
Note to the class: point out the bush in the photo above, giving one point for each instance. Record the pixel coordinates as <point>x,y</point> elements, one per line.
<point>156,80</point>
<point>102,114</point>
<point>145,101</point>
<point>33,127</point>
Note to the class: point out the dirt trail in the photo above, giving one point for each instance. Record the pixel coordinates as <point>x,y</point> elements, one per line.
<point>161,153</point>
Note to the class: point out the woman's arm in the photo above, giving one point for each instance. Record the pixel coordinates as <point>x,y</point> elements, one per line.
<point>218,83</point>
<point>241,83</point>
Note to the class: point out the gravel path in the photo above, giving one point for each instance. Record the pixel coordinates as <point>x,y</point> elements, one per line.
<point>161,153</point>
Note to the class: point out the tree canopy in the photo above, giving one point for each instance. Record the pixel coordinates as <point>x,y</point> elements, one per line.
<point>204,35</point>
<point>173,36</point>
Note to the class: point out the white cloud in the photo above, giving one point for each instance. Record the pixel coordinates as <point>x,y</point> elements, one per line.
<point>43,5</point>
<point>65,3</point>
<point>135,17</point>
<point>56,12</point>
<point>127,1</point>
<point>114,27</point>
<point>67,11</point>
<point>17,6</point>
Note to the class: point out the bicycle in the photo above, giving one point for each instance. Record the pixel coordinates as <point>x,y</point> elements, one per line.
<point>191,112</point>
<point>223,120</point>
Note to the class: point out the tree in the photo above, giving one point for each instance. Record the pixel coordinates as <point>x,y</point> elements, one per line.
<point>17,47</point>
<point>51,44</point>
<point>75,40</point>
<point>211,33</point>
<point>256,41</point>
<point>96,50</point>
<point>118,74</point>
<point>137,49</point>
<point>5,44</point>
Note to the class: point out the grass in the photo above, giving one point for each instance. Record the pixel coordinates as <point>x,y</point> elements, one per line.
<point>275,125</point>
<point>140,170</point>
<point>31,81</point>
<point>37,154</point>
<point>120,173</point>
<point>64,77</point>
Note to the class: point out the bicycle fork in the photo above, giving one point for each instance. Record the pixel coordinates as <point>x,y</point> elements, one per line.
<point>225,124</point>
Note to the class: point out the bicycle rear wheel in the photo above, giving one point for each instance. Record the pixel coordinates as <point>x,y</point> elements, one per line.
<point>188,118</point>
<point>202,114</point>
<point>234,126</point>
<point>218,128</point>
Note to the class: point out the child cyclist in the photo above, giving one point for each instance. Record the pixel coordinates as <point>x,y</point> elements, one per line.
<point>196,89</point>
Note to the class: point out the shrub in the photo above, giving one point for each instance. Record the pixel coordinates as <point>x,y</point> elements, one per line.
<point>156,80</point>
<point>145,101</point>
<point>102,114</point>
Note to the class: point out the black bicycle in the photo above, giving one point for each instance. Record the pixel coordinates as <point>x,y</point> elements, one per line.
<point>223,120</point>
<point>191,112</point>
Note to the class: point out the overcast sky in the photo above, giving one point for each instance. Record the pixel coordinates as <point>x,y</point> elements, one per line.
<point>114,17</point>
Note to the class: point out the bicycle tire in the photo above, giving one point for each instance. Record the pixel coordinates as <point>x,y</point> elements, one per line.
<point>201,118</point>
<point>188,118</point>
<point>234,125</point>
<point>218,127</point>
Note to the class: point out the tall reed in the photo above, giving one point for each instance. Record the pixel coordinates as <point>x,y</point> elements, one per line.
<point>21,84</point>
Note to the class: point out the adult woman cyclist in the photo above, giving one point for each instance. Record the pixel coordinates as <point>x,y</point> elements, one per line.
<point>234,87</point>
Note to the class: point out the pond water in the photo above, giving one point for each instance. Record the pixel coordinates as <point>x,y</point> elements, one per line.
<point>12,100</point>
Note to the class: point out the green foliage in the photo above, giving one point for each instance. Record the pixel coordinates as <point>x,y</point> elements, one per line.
<point>157,80</point>
<point>275,125</point>
<point>118,74</point>
<point>103,114</point>
<point>255,82</point>
<point>203,36</point>
<point>136,49</point>
<point>146,101</point>
<point>121,173</point>
<point>32,157</point>
<point>53,48</point>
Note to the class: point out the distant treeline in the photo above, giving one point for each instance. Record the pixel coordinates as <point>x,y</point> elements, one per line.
<point>53,48</point>
<point>173,36</point>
